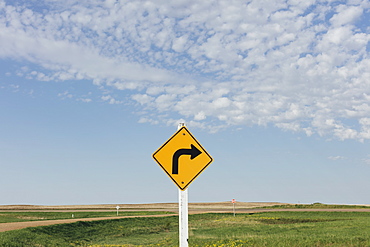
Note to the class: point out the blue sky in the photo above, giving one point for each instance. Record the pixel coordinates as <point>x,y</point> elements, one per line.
<point>278,92</point>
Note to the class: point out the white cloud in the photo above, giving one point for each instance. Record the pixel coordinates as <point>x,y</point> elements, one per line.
<point>346,15</point>
<point>298,65</point>
<point>200,116</point>
<point>65,95</point>
<point>366,160</point>
<point>336,158</point>
<point>143,98</point>
<point>86,100</point>
<point>110,100</point>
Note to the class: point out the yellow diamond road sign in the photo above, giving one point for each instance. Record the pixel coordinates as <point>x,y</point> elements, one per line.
<point>182,158</point>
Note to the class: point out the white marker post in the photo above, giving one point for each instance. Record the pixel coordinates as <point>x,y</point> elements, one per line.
<point>233,202</point>
<point>183,212</point>
<point>117,209</point>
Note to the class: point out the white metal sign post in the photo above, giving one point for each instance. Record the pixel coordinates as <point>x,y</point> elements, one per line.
<point>183,159</point>
<point>183,218</point>
<point>183,212</point>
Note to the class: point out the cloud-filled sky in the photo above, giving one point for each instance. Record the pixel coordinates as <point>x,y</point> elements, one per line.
<point>232,70</point>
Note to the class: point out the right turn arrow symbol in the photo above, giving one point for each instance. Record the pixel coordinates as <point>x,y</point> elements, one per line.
<point>193,152</point>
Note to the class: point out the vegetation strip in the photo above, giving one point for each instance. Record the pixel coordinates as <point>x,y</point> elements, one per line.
<point>6,217</point>
<point>205,230</point>
<point>16,222</point>
<point>317,205</point>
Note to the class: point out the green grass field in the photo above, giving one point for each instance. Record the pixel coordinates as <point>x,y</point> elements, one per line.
<point>6,217</point>
<point>259,229</point>
<point>317,205</point>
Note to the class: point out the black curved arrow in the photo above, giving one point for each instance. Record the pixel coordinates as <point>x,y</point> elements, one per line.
<point>193,152</point>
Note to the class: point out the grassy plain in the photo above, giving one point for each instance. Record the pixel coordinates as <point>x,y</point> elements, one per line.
<point>254,229</point>
<point>6,217</point>
<point>316,205</point>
